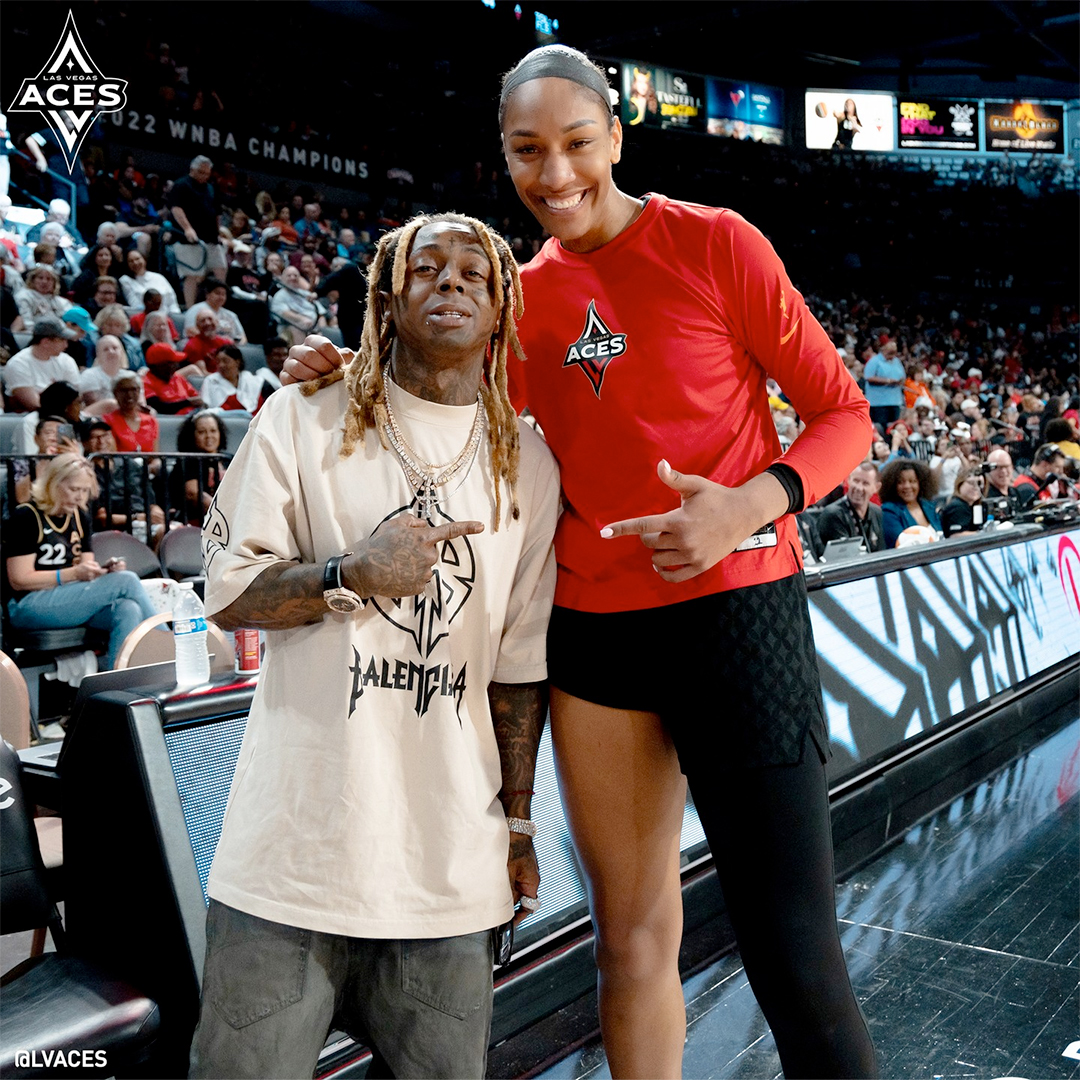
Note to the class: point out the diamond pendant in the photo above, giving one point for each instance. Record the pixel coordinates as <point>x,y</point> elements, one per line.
<point>427,501</point>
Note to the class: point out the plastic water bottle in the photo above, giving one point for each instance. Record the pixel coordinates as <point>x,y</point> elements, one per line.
<point>189,635</point>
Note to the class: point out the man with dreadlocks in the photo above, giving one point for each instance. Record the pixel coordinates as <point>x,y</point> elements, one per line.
<point>391,531</point>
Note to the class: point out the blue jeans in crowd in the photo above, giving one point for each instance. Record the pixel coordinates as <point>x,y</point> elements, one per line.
<point>116,602</point>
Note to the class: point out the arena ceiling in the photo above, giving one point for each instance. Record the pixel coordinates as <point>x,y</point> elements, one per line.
<point>984,47</point>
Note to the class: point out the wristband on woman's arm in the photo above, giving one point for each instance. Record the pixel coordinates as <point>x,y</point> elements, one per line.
<point>791,482</point>
<point>58,581</point>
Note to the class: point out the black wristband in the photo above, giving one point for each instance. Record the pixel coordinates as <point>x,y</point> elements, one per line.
<point>792,483</point>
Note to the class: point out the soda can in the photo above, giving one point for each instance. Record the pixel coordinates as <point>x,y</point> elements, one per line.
<point>248,651</point>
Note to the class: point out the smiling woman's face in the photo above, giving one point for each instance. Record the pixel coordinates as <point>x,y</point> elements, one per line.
<point>907,486</point>
<point>207,436</point>
<point>559,149</point>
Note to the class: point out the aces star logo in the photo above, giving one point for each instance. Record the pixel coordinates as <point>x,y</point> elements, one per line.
<point>70,92</point>
<point>595,348</point>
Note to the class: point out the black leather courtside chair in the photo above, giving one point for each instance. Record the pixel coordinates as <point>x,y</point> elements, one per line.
<point>58,1002</point>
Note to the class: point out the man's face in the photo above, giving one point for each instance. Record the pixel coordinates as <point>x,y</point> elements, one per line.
<point>291,277</point>
<point>307,266</point>
<point>206,324</point>
<point>311,211</point>
<point>862,484</point>
<point>165,371</point>
<point>276,357</point>
<point>447,308</point>
<point>110,352</point>
<point>201,173</point>
<point>348,238</point>
<point>53,346</point>
<point>100,441</point>
<point>104,295</point>
<point>47,437</point>
<point>107,236</point>
<point>926,427</point>
<point>1002,473</point>
<point>1055,465</point>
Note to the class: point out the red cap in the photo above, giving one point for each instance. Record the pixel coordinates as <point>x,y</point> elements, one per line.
<point>164,354</point>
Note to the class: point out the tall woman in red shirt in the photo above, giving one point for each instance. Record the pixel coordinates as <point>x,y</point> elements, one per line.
<point>649,331</point>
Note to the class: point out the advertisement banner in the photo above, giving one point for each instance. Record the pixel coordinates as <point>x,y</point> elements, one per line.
<point>938,124</point>
<point>745,111</point>
<point>657,97</point>
<point>850,120</point>
<point>1030,126</point>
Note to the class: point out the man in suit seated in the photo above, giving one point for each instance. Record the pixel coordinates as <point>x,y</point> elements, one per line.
<point>855,514</point>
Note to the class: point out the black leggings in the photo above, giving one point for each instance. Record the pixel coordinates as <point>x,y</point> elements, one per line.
<point>771,838</point>
<point>744,691</point>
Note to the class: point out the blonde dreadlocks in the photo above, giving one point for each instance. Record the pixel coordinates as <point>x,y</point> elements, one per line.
<point>364,374</point>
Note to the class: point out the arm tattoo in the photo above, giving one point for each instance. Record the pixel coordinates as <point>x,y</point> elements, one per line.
<point>281,597</point>
<point>518,713</point>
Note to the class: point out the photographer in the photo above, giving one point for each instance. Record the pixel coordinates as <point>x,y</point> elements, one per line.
<point>1041,481</point>
<point>1002,501</point>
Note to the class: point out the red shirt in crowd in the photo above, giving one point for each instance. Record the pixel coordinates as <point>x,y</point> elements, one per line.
<point>130,441</point>
<point>198,349</point>
<point>176,389</point>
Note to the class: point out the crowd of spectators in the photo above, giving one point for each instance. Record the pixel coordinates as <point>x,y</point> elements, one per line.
<point>184,274</point>
<point>975,418</point>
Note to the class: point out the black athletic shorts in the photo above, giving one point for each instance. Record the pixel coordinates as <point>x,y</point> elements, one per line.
<point>733,675</point>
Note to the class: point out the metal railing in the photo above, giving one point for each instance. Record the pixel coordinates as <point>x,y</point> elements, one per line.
<point>131,484</point>
<point>43,203</point>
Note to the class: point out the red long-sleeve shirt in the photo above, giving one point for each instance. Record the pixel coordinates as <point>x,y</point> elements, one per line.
<point>658,345</point>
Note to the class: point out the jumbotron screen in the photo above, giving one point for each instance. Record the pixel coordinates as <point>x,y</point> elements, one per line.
<point>750,111</point>
<point>1027,126</point>
<point>658,97</point>
<point>850,120</point>
<point>938,124</point>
